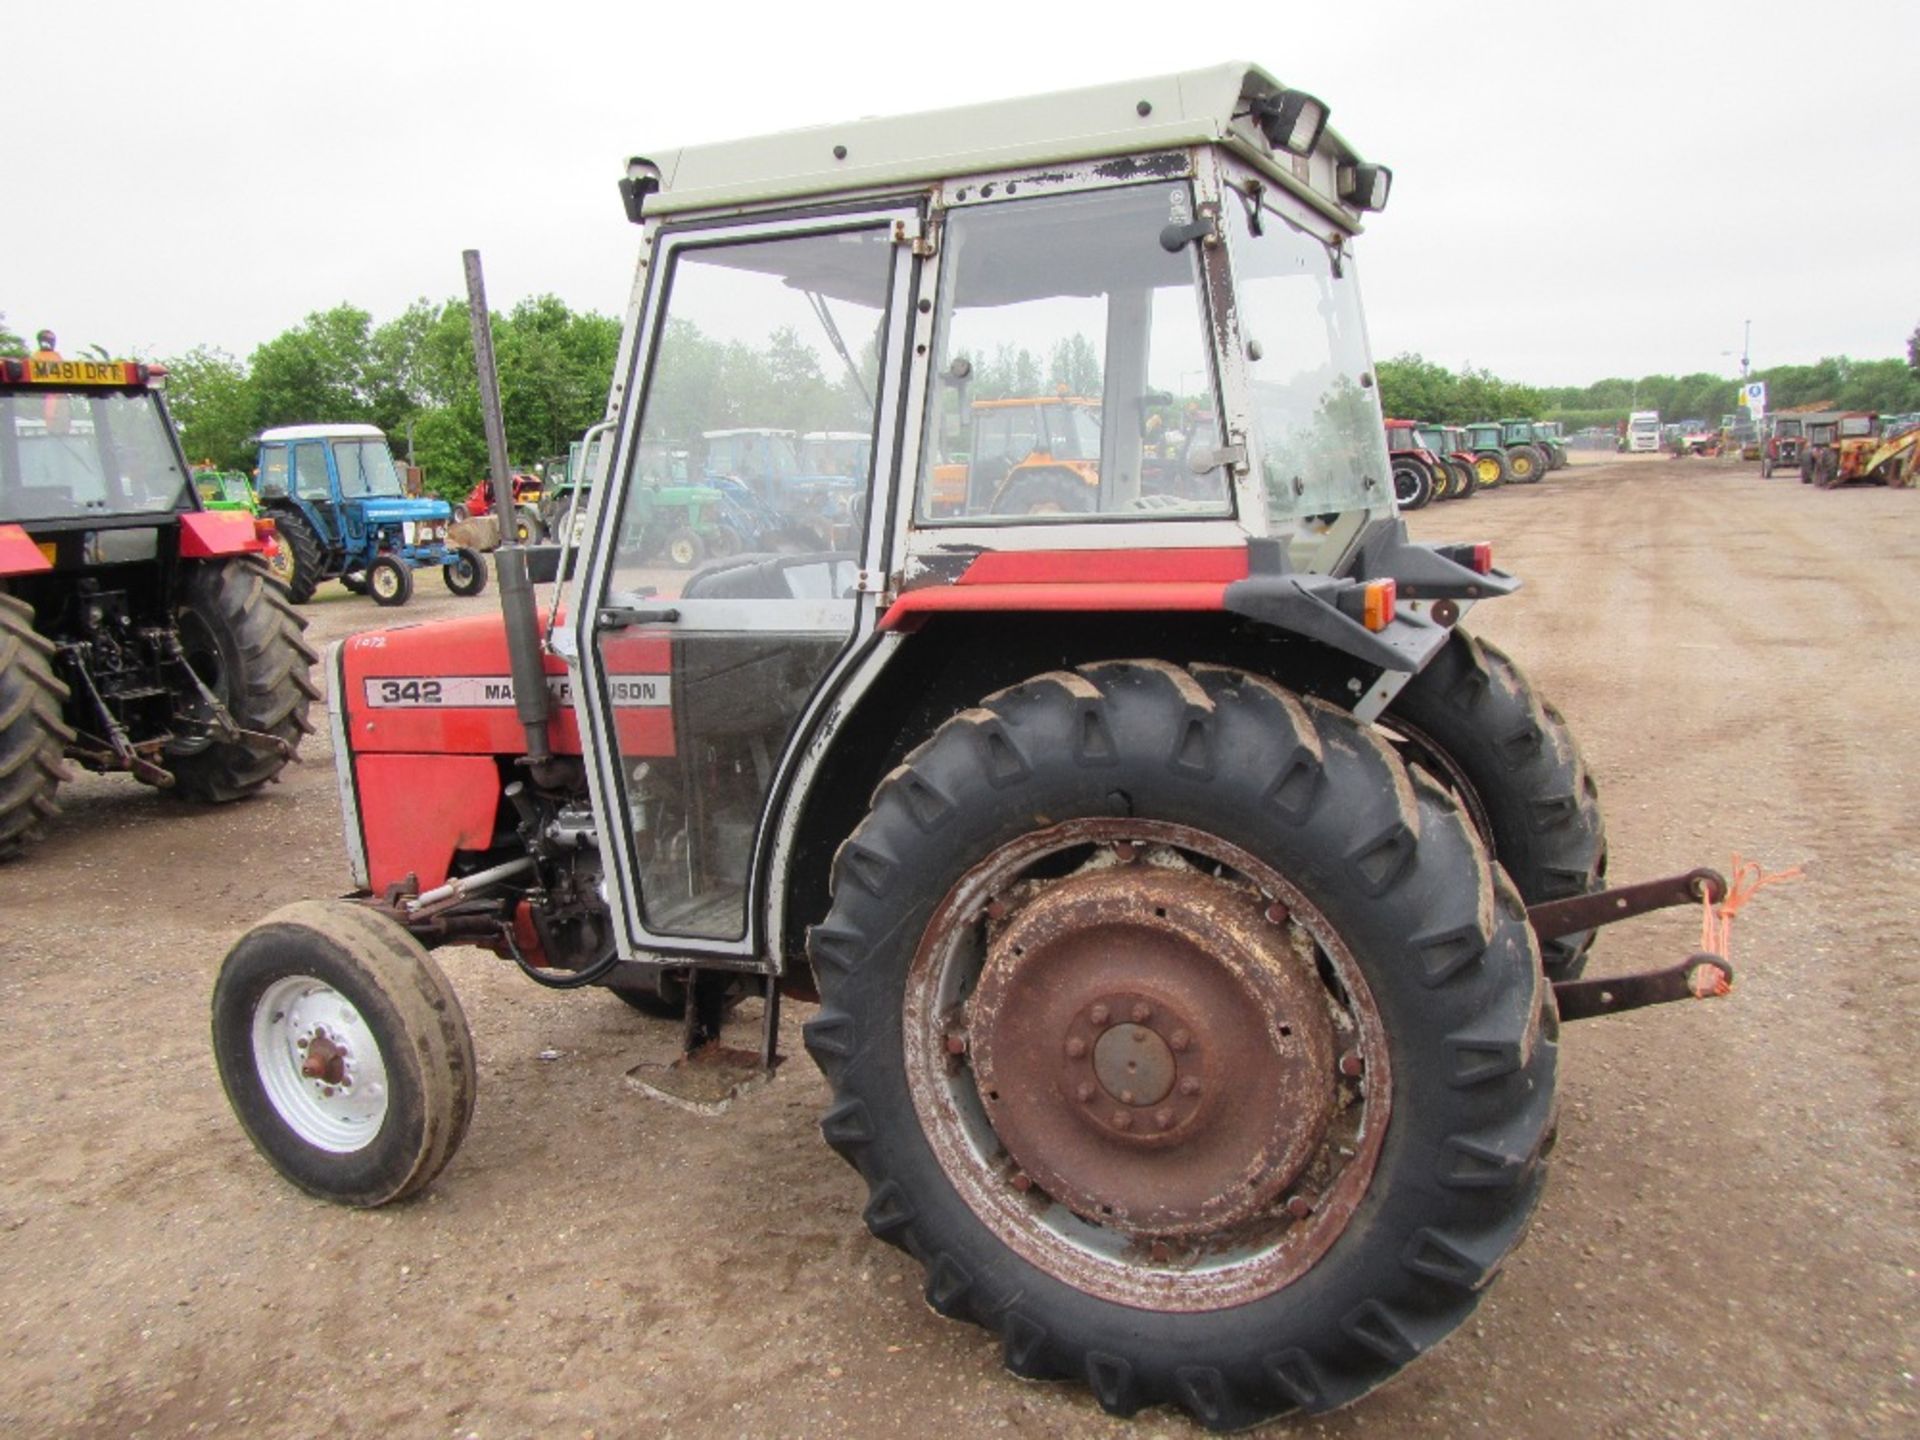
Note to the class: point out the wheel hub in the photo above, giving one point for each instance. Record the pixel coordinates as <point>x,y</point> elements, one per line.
<point>1152,1049</point>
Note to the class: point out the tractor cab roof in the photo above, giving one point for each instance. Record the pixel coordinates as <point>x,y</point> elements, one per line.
<point>1130,124</point>
<point>324,432</point>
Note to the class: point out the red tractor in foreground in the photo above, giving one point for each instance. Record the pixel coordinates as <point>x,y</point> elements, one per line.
<point>1190,902</point>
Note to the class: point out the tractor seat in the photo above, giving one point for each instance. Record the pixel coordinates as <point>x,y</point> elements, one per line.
<point>812,575</point>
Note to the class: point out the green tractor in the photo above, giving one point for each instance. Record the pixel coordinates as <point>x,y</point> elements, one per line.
<point>1523,443</point>
<point>1492,464</point>
<point>1551,436</point>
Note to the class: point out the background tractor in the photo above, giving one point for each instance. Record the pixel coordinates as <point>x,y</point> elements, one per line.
<point>1189,901</point>
<point>1459,464</point>
<point>529,526</point>
<point>1419,472</point>
<point>1527,458</point>
<point>1781,450</point>
<point>1493,463</point>
<point>139,630</point>
<point>1549,435</point>
<point>1838,447</point>
<point>342,513</point>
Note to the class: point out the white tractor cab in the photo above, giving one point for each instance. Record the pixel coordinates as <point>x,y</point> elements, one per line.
<point>1157,844</point>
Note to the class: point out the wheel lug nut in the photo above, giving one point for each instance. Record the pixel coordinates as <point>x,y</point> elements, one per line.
<point>1085,1092</point>
<point>1142,1014</point>
<point>1099,1014</point>
<point>1163,1117</point>
<point>956,1044</point>
<point>1351,1065</point>
<point>996,909</point>
<point>1160,1253</point>
<point>1076,1047</point>
<point>1022,1181</point>
<point>1122,1120</point>
<point>1124,851</point>
<point>1299,1206</point>
<point>1126,1097</point>
<point>1179,1040</point>
<point>1277,913</point>
<point>1190,1086</point>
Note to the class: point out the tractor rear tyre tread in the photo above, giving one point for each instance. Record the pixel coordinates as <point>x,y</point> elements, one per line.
<point>1440,938</point>
<point>411,1009</point>
<point>1466,479</point>
<point>33,736</point>
<point>304,551</point>
<point>1412,483</point>
<point>265,664</point>
<point>1529,784</point>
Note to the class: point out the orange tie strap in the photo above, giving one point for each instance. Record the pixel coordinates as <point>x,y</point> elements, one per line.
<point>1716,919</point>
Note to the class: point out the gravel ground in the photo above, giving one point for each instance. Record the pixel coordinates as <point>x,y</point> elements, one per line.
<point>1727,1247</point>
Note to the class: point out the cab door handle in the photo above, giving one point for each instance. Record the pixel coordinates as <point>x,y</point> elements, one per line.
<point>619,617</point>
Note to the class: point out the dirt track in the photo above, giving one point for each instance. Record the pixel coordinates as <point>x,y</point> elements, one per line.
<point>1729,1241</point>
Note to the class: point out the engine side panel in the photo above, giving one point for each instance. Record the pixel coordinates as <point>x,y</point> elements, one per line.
<point>417,810</point>
<point>445,688</point>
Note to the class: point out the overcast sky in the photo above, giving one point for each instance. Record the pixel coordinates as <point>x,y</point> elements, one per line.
<point>1580,190</point>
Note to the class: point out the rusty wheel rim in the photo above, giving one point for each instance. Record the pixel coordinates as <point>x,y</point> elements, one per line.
<point>1147,1062</point>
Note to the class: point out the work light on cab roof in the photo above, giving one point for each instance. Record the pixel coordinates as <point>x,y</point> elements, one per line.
<point>1190,901</point>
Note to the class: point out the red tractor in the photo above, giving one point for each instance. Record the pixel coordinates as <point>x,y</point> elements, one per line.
<point>527,494</point>
<point>1190,902</point>
<point>140,631</point>
<point>1420,474</point>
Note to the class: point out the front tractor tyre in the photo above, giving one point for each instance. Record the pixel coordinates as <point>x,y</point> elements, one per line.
<point>33,737</point>
<point>389,581</point>
<point>1412,483</point>
<point>1473,720</point>
<point>242,637</point>
<point>1123,977</point>
<point>344,1052</point>
<point>465,572</point>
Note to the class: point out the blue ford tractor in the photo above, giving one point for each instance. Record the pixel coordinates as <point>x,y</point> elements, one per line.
<point>343,514</point>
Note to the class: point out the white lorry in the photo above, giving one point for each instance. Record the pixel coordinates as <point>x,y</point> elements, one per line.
<point>1643,431</point>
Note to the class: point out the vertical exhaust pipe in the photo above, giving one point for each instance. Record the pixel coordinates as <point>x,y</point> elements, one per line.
<point>524,662</point>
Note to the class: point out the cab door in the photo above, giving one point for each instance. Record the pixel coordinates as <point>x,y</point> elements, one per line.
<point>713,626</point>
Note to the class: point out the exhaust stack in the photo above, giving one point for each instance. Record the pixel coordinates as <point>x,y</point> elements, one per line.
<point>510,560</point>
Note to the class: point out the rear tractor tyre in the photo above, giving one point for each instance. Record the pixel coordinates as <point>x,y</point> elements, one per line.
<point>1442,482</point>
<point>527,527</point>
<point>1412,483</point>
<point>33,737</point>
<point>389,581</point>
<point>1523,465</point>
<point>1120,978</point>
<point>1492,469</point>
<point>344,1052</point>
<point>304,562</point>
<point>241,635</point>
<point>1468,477</point>
<point>685,549</point>
<point>1474,721</point>
<point>466,572</point>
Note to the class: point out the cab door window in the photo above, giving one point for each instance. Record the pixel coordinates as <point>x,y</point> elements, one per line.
<point>310,471</point>
<point>1073,366</point>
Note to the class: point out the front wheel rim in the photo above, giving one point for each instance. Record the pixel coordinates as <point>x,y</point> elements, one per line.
<point>1194,1255</point>
<point>319,1065</point>
<point>385,583</point>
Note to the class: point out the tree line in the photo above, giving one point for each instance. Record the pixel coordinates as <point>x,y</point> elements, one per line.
<point>1414,388</point>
